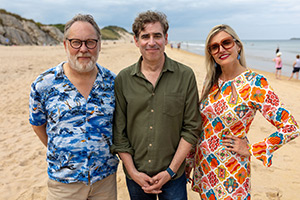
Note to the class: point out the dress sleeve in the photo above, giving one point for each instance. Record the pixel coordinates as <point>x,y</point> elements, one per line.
<point>264,99</point>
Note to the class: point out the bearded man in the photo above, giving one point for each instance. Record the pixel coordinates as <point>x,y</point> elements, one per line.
<point>71,111</point>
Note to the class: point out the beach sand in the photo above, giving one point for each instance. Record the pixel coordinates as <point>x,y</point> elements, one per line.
<point>23,165</point>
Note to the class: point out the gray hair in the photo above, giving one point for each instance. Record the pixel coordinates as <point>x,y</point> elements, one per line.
<point>82,18</point>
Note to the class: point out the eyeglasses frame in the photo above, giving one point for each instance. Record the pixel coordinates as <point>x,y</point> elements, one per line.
<point>82,41</point>
<point>221,44</point>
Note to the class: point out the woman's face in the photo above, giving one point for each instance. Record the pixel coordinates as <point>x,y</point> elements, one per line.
<point>224,49</point>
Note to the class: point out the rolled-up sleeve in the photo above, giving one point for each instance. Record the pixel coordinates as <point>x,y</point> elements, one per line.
<point>120,139</point>
<point>192,119</point>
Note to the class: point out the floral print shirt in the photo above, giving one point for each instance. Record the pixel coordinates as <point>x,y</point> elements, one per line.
<point>79,130</point>
<point>221,174</point>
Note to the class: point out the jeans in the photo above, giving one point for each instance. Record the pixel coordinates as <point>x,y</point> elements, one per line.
<point>172,190</point>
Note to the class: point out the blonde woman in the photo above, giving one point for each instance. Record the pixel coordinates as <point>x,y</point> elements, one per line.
<point>231,96</point>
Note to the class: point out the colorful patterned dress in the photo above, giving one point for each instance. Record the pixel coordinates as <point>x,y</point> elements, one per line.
<point>221,174</point>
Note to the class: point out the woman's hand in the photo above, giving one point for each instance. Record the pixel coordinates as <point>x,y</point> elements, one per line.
<point>235,144</point>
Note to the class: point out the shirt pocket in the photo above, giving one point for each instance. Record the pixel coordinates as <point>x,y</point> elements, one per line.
<point>173,104</point>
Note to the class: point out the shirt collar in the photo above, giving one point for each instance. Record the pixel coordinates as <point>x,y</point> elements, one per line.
<point>59,72</point>
<point>167,66</point>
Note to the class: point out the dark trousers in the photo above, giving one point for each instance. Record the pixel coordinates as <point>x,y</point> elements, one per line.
<point>172,190</point>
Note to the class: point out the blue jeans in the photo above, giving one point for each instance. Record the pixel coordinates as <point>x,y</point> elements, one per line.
<point>172,190</point>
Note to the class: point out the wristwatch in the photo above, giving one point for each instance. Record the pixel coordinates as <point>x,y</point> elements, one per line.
<point>172,174</point>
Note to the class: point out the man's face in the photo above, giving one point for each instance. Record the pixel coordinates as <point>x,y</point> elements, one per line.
<point>82,59</point>
<point>151,42</point>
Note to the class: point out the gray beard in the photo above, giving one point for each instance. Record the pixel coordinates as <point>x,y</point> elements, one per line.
<point>76,65</point>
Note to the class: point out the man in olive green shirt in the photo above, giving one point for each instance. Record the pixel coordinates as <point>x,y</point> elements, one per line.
<point>157,118</point>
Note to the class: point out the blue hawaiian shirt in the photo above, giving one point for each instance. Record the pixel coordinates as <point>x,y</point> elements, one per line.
<point>79,130</point>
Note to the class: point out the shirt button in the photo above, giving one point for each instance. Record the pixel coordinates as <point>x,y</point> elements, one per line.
<point>152,110</point>
<point>149,161</point>
<point>150,145</point>
<point>153,94</point>
<point>151,127</point>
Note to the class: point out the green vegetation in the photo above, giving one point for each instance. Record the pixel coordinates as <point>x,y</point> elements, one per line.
<point>12,14</point>
<point>108,32</point>
<point>3,11</point>
<point>61,27</point>
<point>112,32</point>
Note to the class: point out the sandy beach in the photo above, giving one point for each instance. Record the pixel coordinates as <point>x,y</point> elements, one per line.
<point>23,165</point>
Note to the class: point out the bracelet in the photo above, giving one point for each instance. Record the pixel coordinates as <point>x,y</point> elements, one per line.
<point>172,174</point>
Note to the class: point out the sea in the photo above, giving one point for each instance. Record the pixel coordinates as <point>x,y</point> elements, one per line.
<point>259,53</point>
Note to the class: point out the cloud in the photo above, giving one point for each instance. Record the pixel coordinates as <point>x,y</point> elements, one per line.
<point>188,18</point>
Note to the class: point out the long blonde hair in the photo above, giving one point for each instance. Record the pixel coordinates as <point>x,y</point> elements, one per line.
<point>213,70</point>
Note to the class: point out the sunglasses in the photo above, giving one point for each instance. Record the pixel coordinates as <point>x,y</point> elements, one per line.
<point>226,43</point>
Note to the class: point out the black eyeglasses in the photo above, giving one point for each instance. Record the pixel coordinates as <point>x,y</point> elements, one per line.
<point>226,43</point>
<point>76,43</point>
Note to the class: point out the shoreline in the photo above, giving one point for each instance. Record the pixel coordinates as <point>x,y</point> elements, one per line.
<point>267,73</point>
<point>259,53</point>
<point>23,168</point>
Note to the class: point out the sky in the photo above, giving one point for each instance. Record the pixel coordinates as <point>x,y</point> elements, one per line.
<point>188,19</point>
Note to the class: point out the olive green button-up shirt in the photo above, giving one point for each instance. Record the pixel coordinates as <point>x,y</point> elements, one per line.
<point>150,121</point>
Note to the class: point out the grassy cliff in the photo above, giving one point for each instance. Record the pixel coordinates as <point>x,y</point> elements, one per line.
<point>108,32</point>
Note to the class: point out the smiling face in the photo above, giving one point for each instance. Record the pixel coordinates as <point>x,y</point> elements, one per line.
<point>82,59</point>
<point>225,56</point>
<point>151,42</point>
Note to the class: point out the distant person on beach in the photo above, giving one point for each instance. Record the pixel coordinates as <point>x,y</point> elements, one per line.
<point>277,50</point>
<point>178,45</point>
<point>231,96</point>
<point>296,68</point>
<point>71,111</point>
<point>278,65</point>
<point>157,119</point>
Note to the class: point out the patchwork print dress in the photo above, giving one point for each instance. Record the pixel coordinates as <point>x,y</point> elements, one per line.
<point>230,109</point>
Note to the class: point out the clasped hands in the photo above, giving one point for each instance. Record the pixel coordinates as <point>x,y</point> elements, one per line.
<point>152,185</point>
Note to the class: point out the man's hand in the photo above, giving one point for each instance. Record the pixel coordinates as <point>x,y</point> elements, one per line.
<point>159,180</point>
<point>142,179</point>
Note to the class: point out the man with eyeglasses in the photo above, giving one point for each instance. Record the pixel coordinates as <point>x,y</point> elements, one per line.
<point>157,115</point>
<point>71,111</point>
